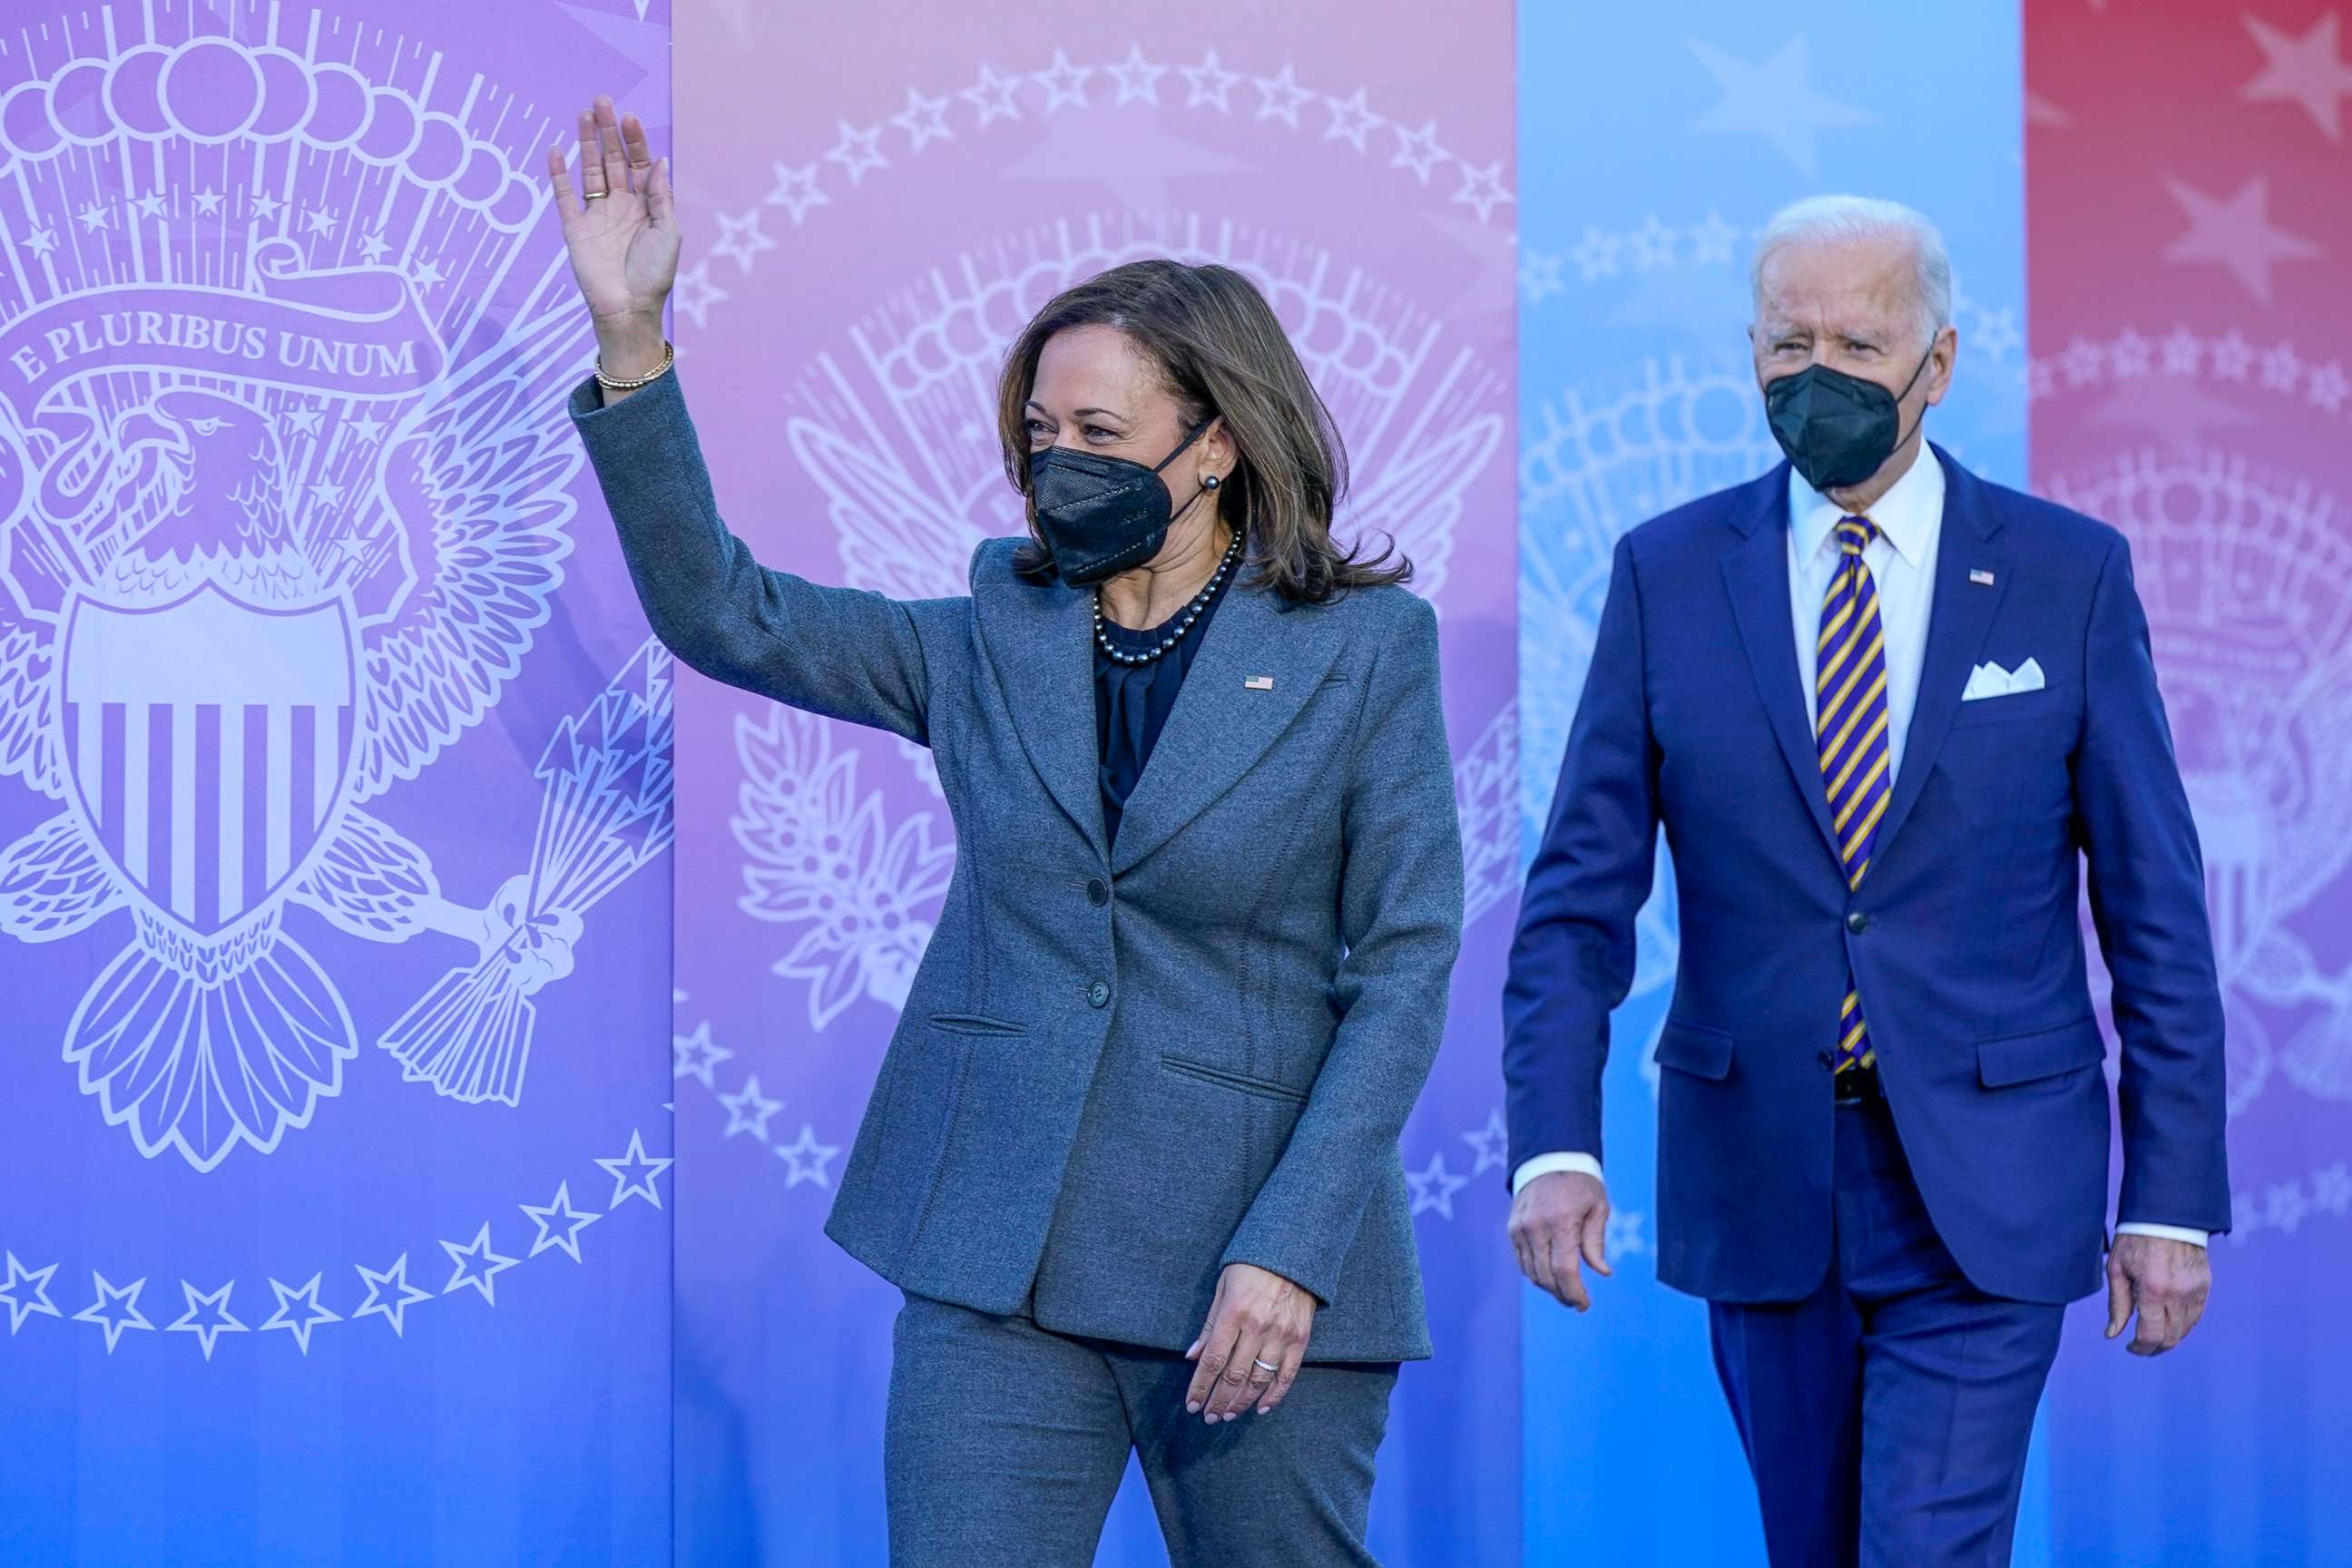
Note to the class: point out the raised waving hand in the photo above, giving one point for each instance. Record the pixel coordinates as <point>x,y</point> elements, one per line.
<point>620,230</point>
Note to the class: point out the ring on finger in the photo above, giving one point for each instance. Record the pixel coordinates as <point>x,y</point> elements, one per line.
<point>595,196</point>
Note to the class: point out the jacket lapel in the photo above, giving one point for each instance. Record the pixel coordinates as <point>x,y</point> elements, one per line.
<point>1226,716</point>
<point>1039,638</point>
<point>1959,620</point>
<point>1757,573</point>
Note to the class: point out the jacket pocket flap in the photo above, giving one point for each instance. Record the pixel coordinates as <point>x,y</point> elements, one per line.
<point>1263,1088</point>
<point>1696,1049</point>
<point>2005,1059</point>
<point>974,1024</point>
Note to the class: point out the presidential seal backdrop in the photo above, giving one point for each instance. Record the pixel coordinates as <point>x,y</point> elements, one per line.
<point>315,792</point>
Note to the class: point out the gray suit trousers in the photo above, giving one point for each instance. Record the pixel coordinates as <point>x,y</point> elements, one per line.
<point>1006,1442</point>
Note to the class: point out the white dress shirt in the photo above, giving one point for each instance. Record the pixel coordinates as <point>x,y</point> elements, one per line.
<point>1902,563</point>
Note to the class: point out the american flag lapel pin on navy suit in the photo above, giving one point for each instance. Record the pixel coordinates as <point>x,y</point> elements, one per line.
<point>1981,577</point>
<point>1258,682</point>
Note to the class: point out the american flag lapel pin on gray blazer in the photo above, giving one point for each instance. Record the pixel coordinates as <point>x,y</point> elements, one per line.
<point>1258,682</point>
<point>1981,577</point>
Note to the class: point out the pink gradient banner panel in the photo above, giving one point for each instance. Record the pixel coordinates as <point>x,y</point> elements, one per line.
<point>875,201</point>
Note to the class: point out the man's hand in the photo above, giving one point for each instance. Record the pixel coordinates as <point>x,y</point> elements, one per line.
<point>1560,1221</point>
<point>2166,1280</point>
<point>1252,1347</point>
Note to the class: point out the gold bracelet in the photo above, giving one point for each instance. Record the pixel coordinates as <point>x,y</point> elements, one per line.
<point>616,383</point>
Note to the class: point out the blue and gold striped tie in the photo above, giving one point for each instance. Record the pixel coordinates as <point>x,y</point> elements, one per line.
<point>1849,731</point>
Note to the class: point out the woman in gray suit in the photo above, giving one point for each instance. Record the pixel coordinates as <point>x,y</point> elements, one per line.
<point>1132,1156</point>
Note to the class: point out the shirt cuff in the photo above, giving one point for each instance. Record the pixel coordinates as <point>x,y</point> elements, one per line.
<point>2165,1232</point>
<point>1545,1164</point>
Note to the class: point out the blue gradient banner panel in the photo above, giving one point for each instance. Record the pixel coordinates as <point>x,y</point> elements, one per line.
<point>1654,143</point>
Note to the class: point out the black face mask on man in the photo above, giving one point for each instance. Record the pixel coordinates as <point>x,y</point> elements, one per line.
<point>1838,429</point>
<point>1099,515</point>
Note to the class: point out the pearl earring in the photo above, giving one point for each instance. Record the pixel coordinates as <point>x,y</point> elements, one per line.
<point>1212,482</point>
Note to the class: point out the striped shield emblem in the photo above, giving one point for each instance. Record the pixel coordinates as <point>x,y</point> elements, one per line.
<point>208,741</point>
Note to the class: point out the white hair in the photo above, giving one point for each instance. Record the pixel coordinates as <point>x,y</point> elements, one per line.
<point>1841,219</point>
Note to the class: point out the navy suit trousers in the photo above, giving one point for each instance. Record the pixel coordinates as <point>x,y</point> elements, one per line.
<point>1886,1416</point>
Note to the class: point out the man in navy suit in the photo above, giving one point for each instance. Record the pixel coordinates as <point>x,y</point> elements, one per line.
<point>1886,713</point>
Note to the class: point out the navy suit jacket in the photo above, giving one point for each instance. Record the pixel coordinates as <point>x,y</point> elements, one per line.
<point>1964,937</point>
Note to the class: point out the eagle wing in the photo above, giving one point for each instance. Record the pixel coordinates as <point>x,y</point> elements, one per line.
<point>481,477</point>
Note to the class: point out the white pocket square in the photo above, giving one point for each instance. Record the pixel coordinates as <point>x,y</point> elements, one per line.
<point>1990,679</point>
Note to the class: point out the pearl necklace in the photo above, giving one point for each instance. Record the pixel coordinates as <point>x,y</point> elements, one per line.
<point>1184,624</point>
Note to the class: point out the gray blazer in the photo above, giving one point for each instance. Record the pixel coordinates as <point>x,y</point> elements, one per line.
<point>1118,1070</point>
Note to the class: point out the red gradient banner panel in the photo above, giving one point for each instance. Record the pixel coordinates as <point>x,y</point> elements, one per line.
<point>2187,179</point>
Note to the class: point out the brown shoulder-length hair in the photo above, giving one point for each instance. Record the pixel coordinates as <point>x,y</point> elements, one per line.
<point>1224,354</point>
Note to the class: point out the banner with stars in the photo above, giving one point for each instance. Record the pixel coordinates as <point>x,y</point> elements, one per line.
<point>334,804</point>
<point>337,899</point>
<point>860,249</point>
<point>2191,338</point>
<point>1654,141</point>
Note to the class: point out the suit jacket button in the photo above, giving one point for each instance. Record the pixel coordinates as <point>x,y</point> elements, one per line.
<point>1097,894</point>
<point>1098,995</point>
<point>1827,1059</point>
<point>1857,922</point>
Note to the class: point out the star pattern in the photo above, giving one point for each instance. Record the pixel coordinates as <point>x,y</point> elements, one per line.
<point>1596,254</point>
<point>477,1264</point>
<point>807,1158</point>
<point>1775,101</point>
<point>1490,1144</point>
<point>740,238</point>
<point>1419,151</point>
<point>1137,78</point>
<point>695,295</point>
<point>748,1109</point>
<point>695,1055</point>
<point>2236,231</point>
<point>796,191</point>
<point>391,1307</point>
<point>1711,239</point>
<point>1482,189</point>
<point>1208,82</point>
<point>1064,84</point>
<point>559,1223</point>
<point>1280,96</point>
<point>25,1293</point>
<point>207,1316</point>
<point>924,119</point>
<point>1624,1238</point>
<point>1434,1187</point>
<point>313,1313</point>
<point>116,1309</point>
<point>2307,70</point>
<point>1352,121</point>
<point>633,1174</point>
<point>992,96</point>
<point>857,151</point>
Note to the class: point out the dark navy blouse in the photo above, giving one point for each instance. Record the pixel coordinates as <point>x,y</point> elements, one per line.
<point>1132,702</point>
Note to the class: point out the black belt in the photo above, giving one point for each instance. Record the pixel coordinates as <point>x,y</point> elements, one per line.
<point>1860,1086</point>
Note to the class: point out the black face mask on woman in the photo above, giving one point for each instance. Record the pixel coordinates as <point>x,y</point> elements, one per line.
<point>1838,429</point>
<point>1099,515</point>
